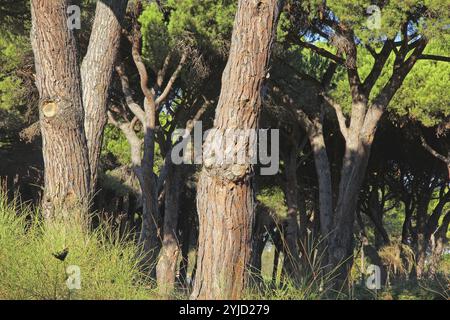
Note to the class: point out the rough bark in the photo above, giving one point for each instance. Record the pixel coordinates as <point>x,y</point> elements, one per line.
<point>67,174</point>
<point>96,74</point>
<point>225,197</point>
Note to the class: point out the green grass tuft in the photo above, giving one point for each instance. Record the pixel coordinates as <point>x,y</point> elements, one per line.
<point>29,269</point>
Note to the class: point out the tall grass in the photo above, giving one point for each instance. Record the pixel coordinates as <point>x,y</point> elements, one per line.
<point>32,266</point>
<point>314,281</point>
<point>29,269</point>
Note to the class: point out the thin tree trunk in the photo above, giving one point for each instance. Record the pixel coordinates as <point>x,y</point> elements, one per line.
<point>323,172</point>
<point>167,264</point>
<point>422,241</point>
<point>409,210</point>
<point>66,174</point>
<point>276,261</point>
<point>96,74</point>
<point>225,197</point>
<point>291,232</point>
<point>314,129</point>
<point>375,211</point>
<point>421,253</point>
<point>262,226</point>
<point>185,246</point>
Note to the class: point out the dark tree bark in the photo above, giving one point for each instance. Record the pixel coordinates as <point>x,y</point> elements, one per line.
<point>186,230</point>
<point>276,261</point>
<point>313,125</point>
<point>225,198</point>
<point>291,230</point>
<point>67,174</point>
<point>167,264</point>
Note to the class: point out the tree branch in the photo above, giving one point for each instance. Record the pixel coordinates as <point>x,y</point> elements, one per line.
<point>340,115</point>
<point>172,79</point>
<point>137,58</point>
<point>434,152</point>
<point>162,72</point>
<point>133,106</point>
<point>398,76</point>
<point>322,52</point>
<point>434,57</point>
<point>380,62</point>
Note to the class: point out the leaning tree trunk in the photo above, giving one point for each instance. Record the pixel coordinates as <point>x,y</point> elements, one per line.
<point>96,73</point>
<point>66,174</point>
<point>225,199</point>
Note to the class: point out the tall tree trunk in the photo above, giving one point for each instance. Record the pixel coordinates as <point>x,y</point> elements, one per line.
<point>67,174</point>
<point>167,264</point>
<point>225,197</point>
<point>313,125</point>
<point>357,152</point>
<point>96,74</point>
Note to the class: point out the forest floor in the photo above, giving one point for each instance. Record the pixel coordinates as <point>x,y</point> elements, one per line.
<point>42,261</point>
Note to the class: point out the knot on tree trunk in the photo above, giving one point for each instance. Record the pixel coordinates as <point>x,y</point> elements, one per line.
<point>234,173</point>
<point>60,112</point>
<point>49,108</point>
